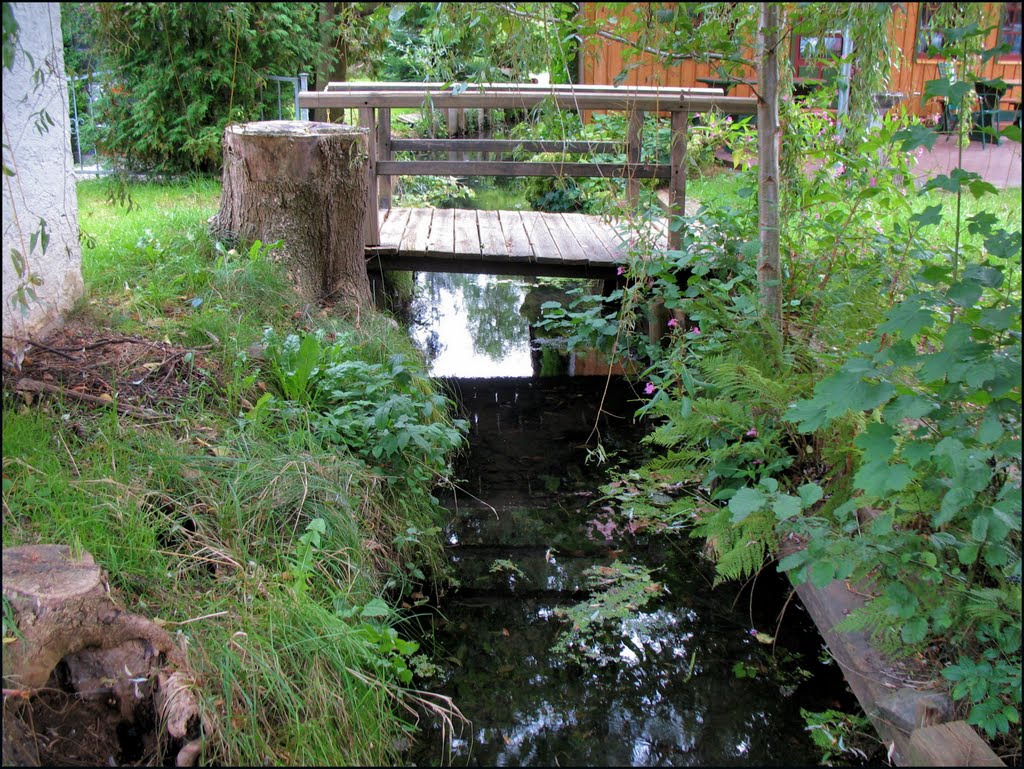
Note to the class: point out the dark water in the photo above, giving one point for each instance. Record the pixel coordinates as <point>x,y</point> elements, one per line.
<point>682,681</point>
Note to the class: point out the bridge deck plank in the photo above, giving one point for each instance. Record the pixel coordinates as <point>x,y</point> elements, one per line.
<point>467,234</point>
<point>499,242</point>
<point>516,241</point>
<point>442,233</point>
<point>492,241</point>
<point>568,246</point>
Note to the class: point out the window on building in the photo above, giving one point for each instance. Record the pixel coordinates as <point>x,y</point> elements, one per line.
<point>817,56</point>
<point>1009,31</point>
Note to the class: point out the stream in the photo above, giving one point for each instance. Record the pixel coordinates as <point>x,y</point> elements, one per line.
<point>696,676</point>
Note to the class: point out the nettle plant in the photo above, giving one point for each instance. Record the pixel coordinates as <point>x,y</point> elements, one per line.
<point>933,513</point>
<point>386,414</point>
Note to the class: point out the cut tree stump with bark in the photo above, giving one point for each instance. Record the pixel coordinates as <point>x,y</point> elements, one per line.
<point>65,615</point>
<point>304,184</point>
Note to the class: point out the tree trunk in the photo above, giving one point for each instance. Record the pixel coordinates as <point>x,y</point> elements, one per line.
<point>306,185</point>
<point>333,62</point>
<point>64,612</point>
<point>769,274</point>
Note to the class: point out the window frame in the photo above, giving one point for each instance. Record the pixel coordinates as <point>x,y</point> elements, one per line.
<point>1016,33</point>
<point>821,64</point>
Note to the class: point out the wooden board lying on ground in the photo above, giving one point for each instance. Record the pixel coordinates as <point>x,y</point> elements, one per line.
<point>498,243</point>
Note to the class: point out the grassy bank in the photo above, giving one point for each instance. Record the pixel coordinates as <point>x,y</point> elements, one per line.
<point>274,508</point>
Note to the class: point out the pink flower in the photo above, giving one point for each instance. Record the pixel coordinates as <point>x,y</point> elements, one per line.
<point>752,432</point>
<point>620,271</point>
<point>672,322</point>
<point>874,182</point>
<point>695,330</point>
<point>649,388</point>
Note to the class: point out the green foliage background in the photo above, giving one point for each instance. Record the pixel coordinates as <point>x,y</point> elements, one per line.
<point>184,71</point>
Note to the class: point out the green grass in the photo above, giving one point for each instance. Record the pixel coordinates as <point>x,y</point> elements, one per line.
<point>203,520</point>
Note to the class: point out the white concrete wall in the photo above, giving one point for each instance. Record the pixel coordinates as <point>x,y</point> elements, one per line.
<point>43,187</point>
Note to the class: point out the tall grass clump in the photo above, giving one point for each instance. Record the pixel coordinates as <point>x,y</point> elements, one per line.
<point>282,509</point>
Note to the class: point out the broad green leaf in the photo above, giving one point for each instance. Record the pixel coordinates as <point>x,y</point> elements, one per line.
<point>877,442</point>
<point>786,506</point>
<point>990,430</point>
<point>955,500</point>
<point>822,573</point>
<point>376,607</point>
<point>907,407</point>
<point>793,560</point>
<point>810,493</point>
<point>964,293</point>
<point>914,630</point>
<point>879,478</point>
<point>746,501</point>
<point>908,318</point>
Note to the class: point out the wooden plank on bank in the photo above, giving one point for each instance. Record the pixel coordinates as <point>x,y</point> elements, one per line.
<point>516,241</point>
<point>951,744</point>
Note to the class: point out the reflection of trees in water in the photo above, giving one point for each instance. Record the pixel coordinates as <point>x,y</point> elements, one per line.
<point>492,310</point>
<point>490,304</point>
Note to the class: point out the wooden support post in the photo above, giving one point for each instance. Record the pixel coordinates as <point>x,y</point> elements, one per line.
<point>453,130</point>
<point>636,124</point>
<point>366,120</point>
<point>677,182</point>
<point>386,183</point>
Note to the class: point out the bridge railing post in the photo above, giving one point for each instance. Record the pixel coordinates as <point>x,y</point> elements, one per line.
<point>367,120</point>
<point>633,139</point>
<point>385,183</point>
<point>677,180</point>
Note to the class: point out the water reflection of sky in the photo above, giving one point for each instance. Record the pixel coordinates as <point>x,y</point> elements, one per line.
<point>470,325</point>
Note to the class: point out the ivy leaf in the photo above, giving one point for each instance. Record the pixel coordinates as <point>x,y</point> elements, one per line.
<point>879,478</point>
<point>746,501</point>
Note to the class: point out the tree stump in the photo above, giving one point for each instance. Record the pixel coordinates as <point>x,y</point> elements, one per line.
<point>65,615</point>
<point>306,185</point>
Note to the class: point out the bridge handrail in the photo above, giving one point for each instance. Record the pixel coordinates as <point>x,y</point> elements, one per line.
<point>374,102</point>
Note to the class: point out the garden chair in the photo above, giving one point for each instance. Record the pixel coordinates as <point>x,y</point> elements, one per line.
<point>948,122</point>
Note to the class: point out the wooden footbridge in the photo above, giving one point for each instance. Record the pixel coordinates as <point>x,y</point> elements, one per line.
<point>512,242</point>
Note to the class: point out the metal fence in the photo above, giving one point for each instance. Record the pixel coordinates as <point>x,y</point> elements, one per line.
<point>84,91</point>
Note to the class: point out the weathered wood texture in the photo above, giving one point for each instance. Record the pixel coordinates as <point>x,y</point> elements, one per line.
<point>500,242</point>
<point>950,744</point>
<point>896,710</point>
<point>306,184</point>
